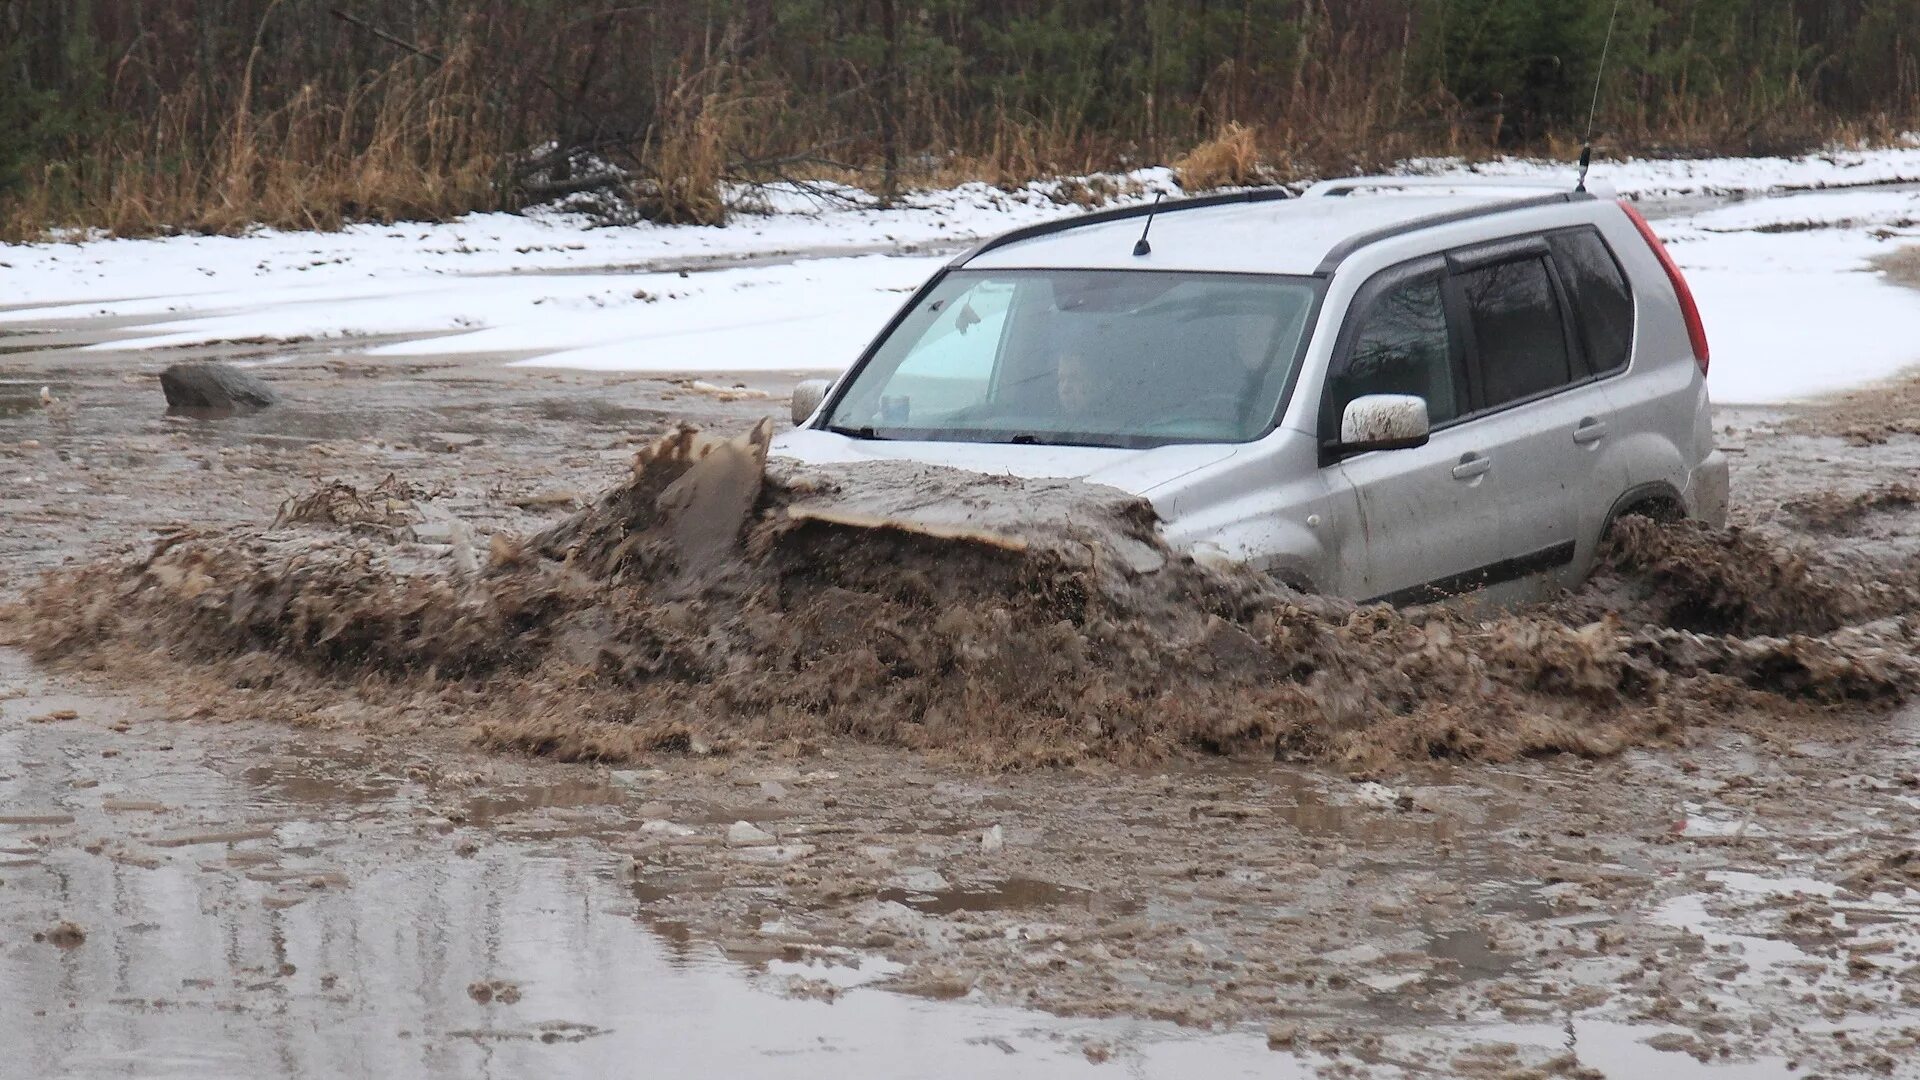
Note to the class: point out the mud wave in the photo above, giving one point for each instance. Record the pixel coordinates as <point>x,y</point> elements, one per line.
<point>713,599</point>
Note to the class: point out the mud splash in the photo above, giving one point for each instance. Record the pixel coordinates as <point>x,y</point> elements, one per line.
<point>715,600</point>
<point>1832,512</point>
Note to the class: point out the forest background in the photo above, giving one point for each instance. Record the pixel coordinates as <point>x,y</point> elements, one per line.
<point>154,116</point>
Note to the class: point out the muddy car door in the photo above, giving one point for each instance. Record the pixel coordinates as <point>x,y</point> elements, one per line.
<point>1430,515</point>
<point>1545,416</point>
<point>1649,407</point>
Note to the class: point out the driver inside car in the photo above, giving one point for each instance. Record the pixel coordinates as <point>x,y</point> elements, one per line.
<point>1093,394</point>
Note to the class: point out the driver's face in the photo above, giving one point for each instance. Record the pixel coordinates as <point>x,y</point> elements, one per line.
<point>1076,383</point>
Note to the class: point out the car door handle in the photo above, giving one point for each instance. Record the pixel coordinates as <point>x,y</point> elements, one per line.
<point>1590,431</point>
<point>1472,465</point>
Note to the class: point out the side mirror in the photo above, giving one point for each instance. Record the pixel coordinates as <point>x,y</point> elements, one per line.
<point>1383,422</point>
<point>807,397</point>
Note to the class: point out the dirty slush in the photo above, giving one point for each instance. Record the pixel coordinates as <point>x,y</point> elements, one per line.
<point>886,716</point>
<point>716,600</point>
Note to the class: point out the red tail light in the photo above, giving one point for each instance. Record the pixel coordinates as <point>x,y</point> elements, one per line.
<point>1696,332</point>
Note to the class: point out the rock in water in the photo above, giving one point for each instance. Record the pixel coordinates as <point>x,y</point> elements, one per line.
<point>214,386</point>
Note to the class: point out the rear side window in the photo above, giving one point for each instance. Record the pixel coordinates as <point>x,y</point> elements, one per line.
<point>1400,345</point>
<point>1601,302</point>
<point>1517,327</point>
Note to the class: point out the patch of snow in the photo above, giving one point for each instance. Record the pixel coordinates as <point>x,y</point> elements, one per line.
<point>1377,795</point>
<point>810,316</point>
<point>1785,284</point>
<point>204,273</point>
<point>1644,178</point>
<point>1795,314</point>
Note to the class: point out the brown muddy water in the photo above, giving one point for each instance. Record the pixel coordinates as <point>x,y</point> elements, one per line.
<point>259,902</point>
<point>202,872</point>
<point>246,900</point>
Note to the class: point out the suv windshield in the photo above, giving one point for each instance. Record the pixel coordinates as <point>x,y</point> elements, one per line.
<point>1085,357</point>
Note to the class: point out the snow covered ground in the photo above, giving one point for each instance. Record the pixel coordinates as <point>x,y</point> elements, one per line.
<point>1783,277</point>
<point>1672,178</point>
<point>1791,304</point>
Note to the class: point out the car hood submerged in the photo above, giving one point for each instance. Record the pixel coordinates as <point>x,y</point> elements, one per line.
<point>1137,472</point>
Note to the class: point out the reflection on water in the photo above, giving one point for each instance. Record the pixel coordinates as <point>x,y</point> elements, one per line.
<point>1011,894</point>
<point>266,902</point>
<point>278,905</point>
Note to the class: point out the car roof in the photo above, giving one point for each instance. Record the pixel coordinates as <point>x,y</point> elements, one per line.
<point>1258,233</point>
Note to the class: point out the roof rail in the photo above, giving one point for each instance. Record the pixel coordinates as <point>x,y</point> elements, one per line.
<point>1348,185</point>
<point>1120,213</point>
<point>1354,243</point>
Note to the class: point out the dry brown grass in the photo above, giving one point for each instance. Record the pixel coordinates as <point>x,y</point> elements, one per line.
<point>429,142</point>
<point>1230,159</point>
<point>404,145</point>
<point>688,163</point>
<point>1008,149</point>
<point>687,150</point>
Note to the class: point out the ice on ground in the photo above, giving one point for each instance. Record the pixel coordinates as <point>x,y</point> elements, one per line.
<point>1785,282</point>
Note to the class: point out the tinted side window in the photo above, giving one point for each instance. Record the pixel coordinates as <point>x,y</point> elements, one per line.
<point>1601,302</point>
<point>1400,345</point>
<point>1517,327</point>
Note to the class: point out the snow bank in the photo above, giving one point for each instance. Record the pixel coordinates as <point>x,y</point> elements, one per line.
<point>1669,178</point>
<point>1784,279</point>
<point>200,273</point>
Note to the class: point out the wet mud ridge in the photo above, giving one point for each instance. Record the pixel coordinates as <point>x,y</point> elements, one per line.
<point>715,598</point>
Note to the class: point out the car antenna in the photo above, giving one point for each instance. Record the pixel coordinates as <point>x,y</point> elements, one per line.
<point>1140,246</point>
<point>1593,110</point>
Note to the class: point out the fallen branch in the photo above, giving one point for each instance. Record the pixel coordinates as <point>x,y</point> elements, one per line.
<point>399,43</point>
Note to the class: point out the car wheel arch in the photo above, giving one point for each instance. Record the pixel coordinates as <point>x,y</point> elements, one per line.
<point>1659,500</point>
<point>1293,577</point>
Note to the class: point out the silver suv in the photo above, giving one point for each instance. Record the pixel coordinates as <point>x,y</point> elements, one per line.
<point>1383,389</point>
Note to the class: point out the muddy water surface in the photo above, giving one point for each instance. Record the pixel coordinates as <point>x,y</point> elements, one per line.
<point>255,902</point>
<point>353,897</point>
<point>191,900</point>
<point>243,900</point>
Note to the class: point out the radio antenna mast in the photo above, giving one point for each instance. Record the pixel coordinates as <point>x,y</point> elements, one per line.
<point>1140,246</point>
<point>1593,110</point>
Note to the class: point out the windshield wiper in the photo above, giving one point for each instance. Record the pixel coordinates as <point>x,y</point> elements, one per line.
<point>857,433</point>
<point>1065,438</point>
<point>1028,438</point>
